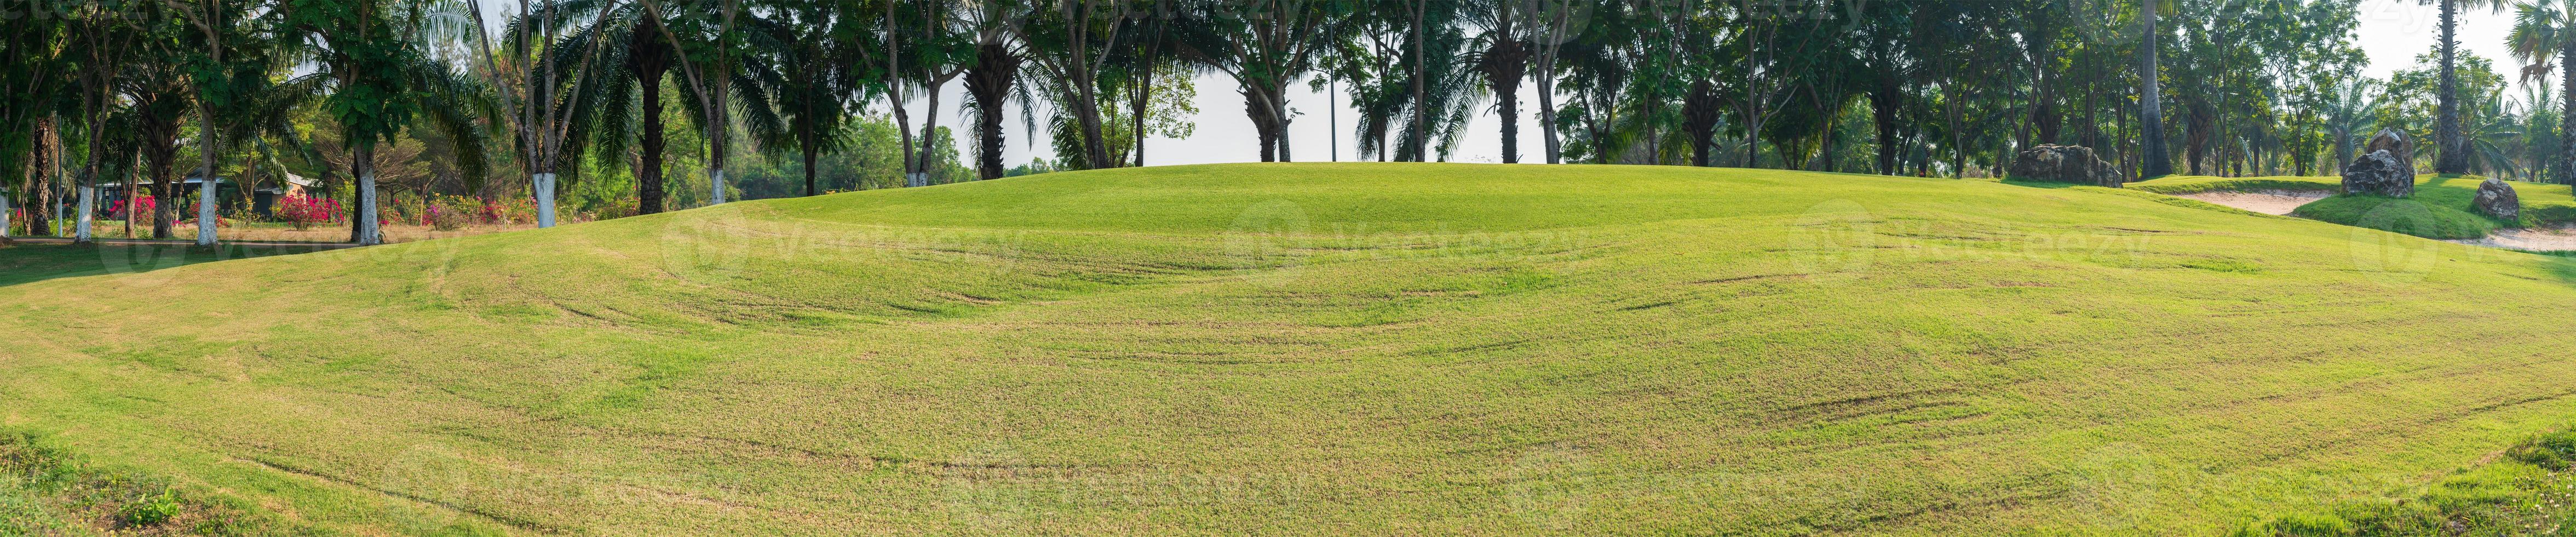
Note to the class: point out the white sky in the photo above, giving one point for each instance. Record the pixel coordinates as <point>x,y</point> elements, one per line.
<point>2392,32</point>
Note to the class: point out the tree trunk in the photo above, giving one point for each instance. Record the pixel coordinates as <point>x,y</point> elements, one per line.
<point>1958,148</point>
<point>649,61</point>
<point>1421,114</point>
<point>1144,91</point>
<point>2566,172</point>
<point>2153,161</point>
<point>1507,65</point>
<point>1547,115</point>
<point>809,142</point>
<point>370,231</point>
<point>902,125</point>
<point>88,198</point>
<point>1280,119</point>
<point>2453,156</point>
<point>89,176</point>
<point>648,177</point>
<point>1095,146</point>
<point>542,186</point>
<point>990,82</point>
<point>718,142</point>
<point>1700,112</point>
<point>1265,131</point>
<point>165,196</point>
<point>40,188</point>
<point>207,195</point>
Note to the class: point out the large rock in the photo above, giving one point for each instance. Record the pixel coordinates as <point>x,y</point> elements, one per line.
<point>2497,199</point>
<point>2396,144</point>
<point>2379,172</point>
<point>2064,164</point>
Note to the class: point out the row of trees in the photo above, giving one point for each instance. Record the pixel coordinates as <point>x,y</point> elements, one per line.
<point>1915,87</point>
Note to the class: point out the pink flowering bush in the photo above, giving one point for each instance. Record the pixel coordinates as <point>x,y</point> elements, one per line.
<point>138,211</point>
<point>447,213</point>
<point>303,212</point>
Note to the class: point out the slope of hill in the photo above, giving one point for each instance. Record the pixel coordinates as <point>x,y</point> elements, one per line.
<point>1367,348</point>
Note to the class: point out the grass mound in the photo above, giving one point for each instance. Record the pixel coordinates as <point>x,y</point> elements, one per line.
<point>1351,348</point>
<point>2421,217</point>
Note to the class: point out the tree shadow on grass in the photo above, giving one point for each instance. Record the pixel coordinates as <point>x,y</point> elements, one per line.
<point>34,262</point>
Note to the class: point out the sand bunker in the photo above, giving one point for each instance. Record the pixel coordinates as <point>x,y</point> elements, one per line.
<point>2536,239</point>
<point>2261,201</point>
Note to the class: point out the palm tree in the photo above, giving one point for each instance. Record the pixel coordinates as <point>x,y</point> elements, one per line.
<point>540,87</point>
<point>2543,31</point>
<point>2353,109</point>
<point>2489,133</point>
<point>36,72</point>
<point>1503,58</point>
<point>2154,159</point>
<point>2454,147</point>
<point>708,68</point>
<point>159,91</point>
<point>799,80</point>
<point>634,53</point>
<point>994,79</point>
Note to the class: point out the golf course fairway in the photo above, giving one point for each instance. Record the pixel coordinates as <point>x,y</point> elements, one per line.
<point>1291,348</point>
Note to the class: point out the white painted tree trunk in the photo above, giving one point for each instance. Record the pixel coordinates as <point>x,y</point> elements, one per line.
<point>87,194</point>
<point>206,202</point>
<point>370,231</point>
<point>545,187</point>
<point>916,179</point>
<point>4,216</point>
<point>716,175</point>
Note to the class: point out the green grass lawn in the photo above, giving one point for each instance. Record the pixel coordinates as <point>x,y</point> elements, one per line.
<point>2440,209</point>
<point>1312,348</point>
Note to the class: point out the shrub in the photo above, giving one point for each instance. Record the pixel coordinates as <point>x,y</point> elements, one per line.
<point>303,212</point>
<point>139,211</point>
<point>2553,451</point>
<point>393,210</point>
<point>446,213</point>
<point>151,510</point>
<point>492,213</point>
